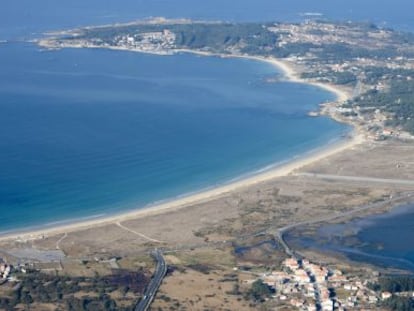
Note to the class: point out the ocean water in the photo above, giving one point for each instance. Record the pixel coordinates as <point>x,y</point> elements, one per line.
<point>27,18</point>
<point>94,132</point>
<point>87,133</point>
<point>383,240</point>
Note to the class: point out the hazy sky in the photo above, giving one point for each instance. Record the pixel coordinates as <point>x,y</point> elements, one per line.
<point>23,17</point>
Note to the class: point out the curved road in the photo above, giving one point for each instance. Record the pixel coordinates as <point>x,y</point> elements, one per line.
<point>280,232</point>
<point>155,283</point>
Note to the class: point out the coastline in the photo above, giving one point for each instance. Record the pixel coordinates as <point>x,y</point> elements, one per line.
<point>377,222</point>
<point>200,197</point>
<point>205,195</point>
<point>288,71</point>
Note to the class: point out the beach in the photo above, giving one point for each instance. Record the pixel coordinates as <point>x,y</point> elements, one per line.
<point>201,234</point>
<point>289,74</point>
<point>80,223</point>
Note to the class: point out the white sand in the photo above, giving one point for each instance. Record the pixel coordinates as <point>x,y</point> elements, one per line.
<point>221,190</point>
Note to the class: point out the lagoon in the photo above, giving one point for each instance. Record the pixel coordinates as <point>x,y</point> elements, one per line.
<point>383,240</point>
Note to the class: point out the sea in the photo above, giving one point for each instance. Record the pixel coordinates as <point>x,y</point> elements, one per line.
<point>89,133</point>
<point>383,240</point>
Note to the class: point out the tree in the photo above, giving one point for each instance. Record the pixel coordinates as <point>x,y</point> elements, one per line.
<point>260,290</point>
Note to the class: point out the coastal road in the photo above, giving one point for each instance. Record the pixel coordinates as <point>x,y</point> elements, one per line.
<point>388,181</point>
<point>281,231</point>
<point>155,283</point>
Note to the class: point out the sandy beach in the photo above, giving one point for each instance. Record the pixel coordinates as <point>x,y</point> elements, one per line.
<point>288,71</point>
<point>224,237</point>
<point>292,76</point>
<point>209,194</point>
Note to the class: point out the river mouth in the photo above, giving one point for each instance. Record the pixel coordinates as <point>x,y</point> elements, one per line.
<point>382,241</point>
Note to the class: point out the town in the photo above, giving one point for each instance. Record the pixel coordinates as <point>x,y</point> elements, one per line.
<point>5,271</point>
<point>308,286</point>
<point>152,42</point>
<point>299,284</point>
<point>375,66</point>
<point>372,64</point>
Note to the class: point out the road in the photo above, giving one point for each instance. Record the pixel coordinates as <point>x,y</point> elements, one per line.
<point>155,283</point>
<point>60,240</point>
<point>280,232</point>
<point>137,233</point>
<point>388,181</point>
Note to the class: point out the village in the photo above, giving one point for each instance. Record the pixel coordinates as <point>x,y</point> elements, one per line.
<point>315,50</point>
<point>161,41</point>
<point>5,272</point>
<point>300,284</point>
<point>303,285</point>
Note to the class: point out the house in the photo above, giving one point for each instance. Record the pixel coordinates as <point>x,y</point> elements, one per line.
<point>386,295</point>
<point>327,305</point>
<point>291,263</point>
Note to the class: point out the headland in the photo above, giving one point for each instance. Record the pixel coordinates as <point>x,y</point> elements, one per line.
<point>229,237</point>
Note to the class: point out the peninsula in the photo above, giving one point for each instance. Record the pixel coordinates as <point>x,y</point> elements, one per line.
<point>225,248</point>
<point>371,66</point>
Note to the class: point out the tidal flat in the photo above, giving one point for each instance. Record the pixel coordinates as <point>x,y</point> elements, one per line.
<point>381,240</point>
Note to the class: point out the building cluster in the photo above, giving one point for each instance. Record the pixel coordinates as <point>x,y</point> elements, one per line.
<point>371,119</point>
<point>303,285</point>
<point>148,41</point>
<point>319,33</point>
<point>5,271</point>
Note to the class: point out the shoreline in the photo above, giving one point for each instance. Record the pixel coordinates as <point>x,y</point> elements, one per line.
<point>200,197</point>
<point>362,221</point>
<point>288,72</point>
<point>210,193</point>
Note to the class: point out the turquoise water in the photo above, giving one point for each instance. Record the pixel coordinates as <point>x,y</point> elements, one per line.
<point>95,132</point>
<point>384,240</point>
<point>87,133</point>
